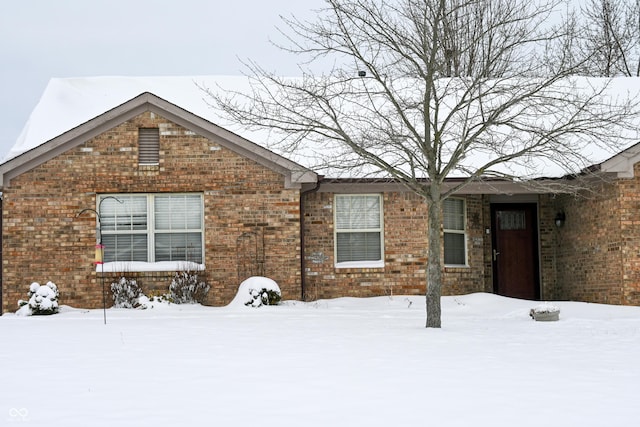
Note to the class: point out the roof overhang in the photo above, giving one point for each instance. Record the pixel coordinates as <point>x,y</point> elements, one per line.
<point>488,186</point>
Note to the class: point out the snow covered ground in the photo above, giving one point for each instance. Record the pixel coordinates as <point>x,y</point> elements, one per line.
<point>344,362</point>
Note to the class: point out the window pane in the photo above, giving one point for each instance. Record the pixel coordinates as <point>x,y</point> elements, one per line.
<point>125,247</point>
<point>454,253</point>
<point>357,212</point>
<point>453,212</point>
<point>512,220</point>
<point>359,247</point>
<point>178,247</point>
<point>125,213</point>
<point>178,212</point>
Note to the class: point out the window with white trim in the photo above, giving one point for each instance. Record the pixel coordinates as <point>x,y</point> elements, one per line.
<point>358,228</point>
<point>152,227</point>
<point>454,220</point>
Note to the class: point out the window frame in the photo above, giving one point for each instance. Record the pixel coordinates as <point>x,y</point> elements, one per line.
<point>462,232</point>
<point>151,231</point>
<point>380,230</point>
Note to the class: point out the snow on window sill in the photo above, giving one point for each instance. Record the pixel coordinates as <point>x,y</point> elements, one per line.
<point>360,264</point>
<point>451,266</point>
<point>118,267</point>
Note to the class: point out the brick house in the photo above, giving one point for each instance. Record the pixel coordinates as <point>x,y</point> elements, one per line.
<point>175,191</point>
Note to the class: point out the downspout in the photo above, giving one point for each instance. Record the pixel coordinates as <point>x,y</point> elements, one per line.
<point>303,264</point>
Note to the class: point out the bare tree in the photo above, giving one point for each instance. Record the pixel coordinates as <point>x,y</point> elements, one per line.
<point>611,38</point>
<point>604,36</point>
<point>426,90</point>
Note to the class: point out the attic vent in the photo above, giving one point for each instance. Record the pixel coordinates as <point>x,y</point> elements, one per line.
<point>148,146</point>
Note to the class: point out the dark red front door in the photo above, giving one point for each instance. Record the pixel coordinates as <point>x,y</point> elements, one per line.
<point>515,250</point>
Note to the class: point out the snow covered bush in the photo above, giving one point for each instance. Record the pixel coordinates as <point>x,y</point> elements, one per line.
<point>43,299</point>
<point>258,291</point>
<point>126,293</point>
<point>145,302</point>
<point>185,288</point>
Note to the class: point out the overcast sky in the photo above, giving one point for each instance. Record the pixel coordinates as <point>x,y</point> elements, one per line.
<point>41,39</point>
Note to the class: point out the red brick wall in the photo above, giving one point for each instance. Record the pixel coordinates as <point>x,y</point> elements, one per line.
<point>405,251</point>
<point>548,236</point>
<point>629,190</point>
<point>43,239</point>
<point>591,246</point>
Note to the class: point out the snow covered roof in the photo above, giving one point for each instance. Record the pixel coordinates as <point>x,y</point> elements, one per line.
<point>70,102</point>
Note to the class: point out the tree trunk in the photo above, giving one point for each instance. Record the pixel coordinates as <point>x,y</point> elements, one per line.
<point>434,265</point>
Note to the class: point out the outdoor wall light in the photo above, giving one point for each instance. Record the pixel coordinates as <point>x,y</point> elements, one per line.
<point>559,219</point>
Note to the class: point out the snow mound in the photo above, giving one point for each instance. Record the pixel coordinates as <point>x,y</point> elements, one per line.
<point>257,291</point>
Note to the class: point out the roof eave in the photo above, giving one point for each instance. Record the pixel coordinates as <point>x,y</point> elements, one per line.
<point>487,186</point>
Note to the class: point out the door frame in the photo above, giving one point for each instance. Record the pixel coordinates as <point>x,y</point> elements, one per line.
<point>535,220</point>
